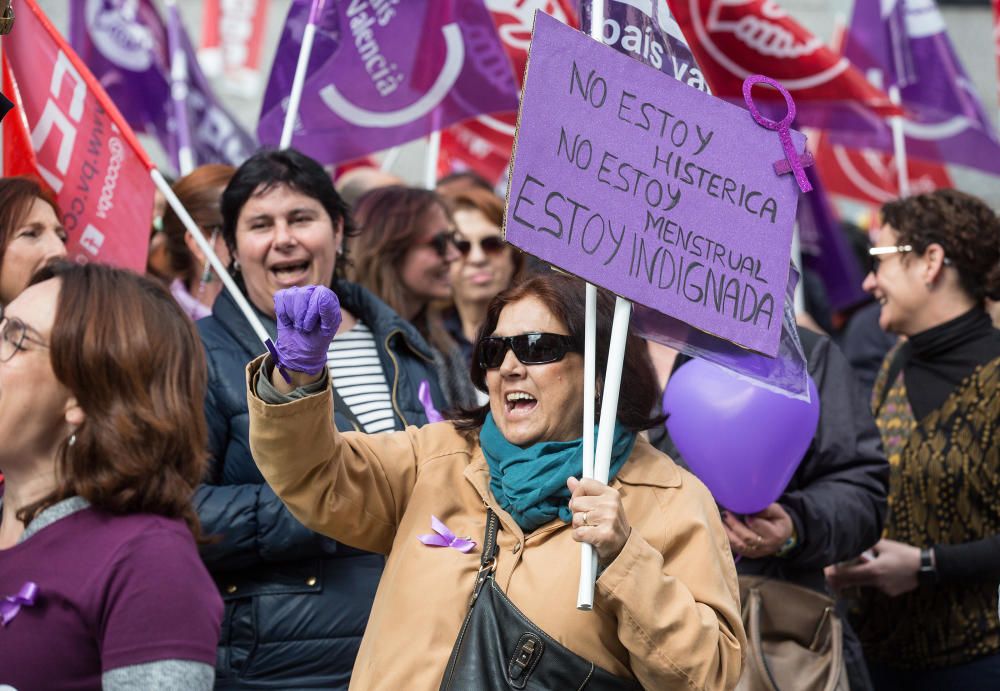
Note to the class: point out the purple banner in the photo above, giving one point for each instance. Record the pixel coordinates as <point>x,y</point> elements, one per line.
<point>126,46</point>
<point>658,192</point>
<point>646,30</point>
<point>382,74</point>
<point>825,249</point>
<point>786,373</point>
<point>905,42</point>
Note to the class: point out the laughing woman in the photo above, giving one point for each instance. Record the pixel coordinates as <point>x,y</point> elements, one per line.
<point>296,602</point>
<point>491,504</point>
<point>928,611</point>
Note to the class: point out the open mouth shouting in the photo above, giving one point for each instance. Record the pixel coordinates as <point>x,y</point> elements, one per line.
<point>518,403</point>
<point>291,272</point>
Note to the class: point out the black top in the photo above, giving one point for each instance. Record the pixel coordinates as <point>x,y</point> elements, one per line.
<point>941,357</point>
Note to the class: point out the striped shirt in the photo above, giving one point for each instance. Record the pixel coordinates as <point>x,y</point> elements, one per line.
<point>358,377</point>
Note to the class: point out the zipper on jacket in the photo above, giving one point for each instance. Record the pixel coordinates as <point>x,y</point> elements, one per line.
<point>395,376</point>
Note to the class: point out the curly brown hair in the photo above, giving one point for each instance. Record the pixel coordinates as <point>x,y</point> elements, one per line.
<point>134,362</point>
<point>966,228</point>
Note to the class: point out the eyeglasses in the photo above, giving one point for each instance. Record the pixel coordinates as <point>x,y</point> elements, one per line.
<point>491,244</point>
<point>875,255</point>
<point>13,336</point>
<point>439,243</point>
<point>529,349</point>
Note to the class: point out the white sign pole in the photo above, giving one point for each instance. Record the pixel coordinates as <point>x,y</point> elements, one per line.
<point>588,556</point>
<point>195,232</point>
<point>295,98</point>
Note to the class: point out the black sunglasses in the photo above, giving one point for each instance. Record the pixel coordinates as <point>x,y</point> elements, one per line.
<point>439,243</point>
<point>491,244</point>
<point>529,349</point>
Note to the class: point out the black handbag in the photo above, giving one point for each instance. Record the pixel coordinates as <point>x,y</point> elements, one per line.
<point>498,648</point>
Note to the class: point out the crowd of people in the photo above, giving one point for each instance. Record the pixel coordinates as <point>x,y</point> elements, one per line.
<point>392,498</point>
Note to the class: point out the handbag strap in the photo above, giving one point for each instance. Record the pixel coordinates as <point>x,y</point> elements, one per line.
<point>490,539</point>
<point>488,560</point>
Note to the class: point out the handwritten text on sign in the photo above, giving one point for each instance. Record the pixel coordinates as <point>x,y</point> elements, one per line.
<point>649,188</point>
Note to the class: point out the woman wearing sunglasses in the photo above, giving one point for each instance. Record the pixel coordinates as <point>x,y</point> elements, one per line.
<point>487,266</point>
<point>404,253</point>
<point>490,505</point>
<point>296,602</point>
<point>927,614</point>
<point>103,444</point>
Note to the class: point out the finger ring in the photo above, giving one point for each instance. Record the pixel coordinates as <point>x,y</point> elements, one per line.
<point>759,542</point>
<point>586,518</point>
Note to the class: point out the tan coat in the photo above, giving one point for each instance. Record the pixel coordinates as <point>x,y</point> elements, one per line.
<point>666,610</point>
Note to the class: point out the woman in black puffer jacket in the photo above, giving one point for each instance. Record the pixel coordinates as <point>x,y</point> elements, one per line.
<point>296,602</point>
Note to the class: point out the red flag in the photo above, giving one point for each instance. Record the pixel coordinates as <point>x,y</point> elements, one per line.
<point>733,39</point>
<point>483,144</point>
<point>871,176</point>
<point>69,133</point>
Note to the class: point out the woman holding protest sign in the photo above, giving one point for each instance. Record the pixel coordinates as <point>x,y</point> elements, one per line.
<point>491,504</point>
<point>31,233</point>
<point>927,613</point>
<point>296,601</point>
<point>487,266</point>
<point>103,445</point>
<point>403,253</point>
<point>195,286</point>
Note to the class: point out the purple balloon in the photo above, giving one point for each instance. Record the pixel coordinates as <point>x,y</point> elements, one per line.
<point>743,441</point>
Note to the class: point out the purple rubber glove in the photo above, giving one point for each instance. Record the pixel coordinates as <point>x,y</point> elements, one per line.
<point>308,319</point>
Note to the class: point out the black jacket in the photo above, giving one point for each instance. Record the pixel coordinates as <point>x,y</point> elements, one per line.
<point>296,602</point>
<point>837,497</point>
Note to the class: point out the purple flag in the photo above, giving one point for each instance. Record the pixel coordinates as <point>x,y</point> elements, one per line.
<point>646,30</point>
<point>126,45</point>
<point>905,42</point>
<point>382,74</point>
<point>825,249</point>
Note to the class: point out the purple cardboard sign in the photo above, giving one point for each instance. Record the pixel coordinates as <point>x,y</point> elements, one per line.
<point>656,191</point>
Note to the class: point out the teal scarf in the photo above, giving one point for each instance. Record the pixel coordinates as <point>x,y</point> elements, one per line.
<point>529,483</point>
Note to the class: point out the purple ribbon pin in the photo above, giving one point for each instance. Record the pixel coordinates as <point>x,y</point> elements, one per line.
<point>424,394</point>
<point>11,605</point>
<point>792,161</point>
<point>445,538</point>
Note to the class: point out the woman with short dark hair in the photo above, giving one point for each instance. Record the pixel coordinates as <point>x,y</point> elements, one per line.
<point>102,444</point>
<point>296,602</point>
<point>31,233</point>
<point>927,614</point>
<point>491,505</point>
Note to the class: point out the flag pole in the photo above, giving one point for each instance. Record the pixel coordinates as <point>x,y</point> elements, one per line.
<point>195,232</point>
<point>431,163</point>
<point>179,89</point>
<point>295,98</point>
<point>389,160</point>
<point>588,556</point>
<point>899,144</point>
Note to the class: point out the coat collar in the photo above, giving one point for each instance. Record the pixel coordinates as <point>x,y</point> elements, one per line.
<point>356,299</point>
